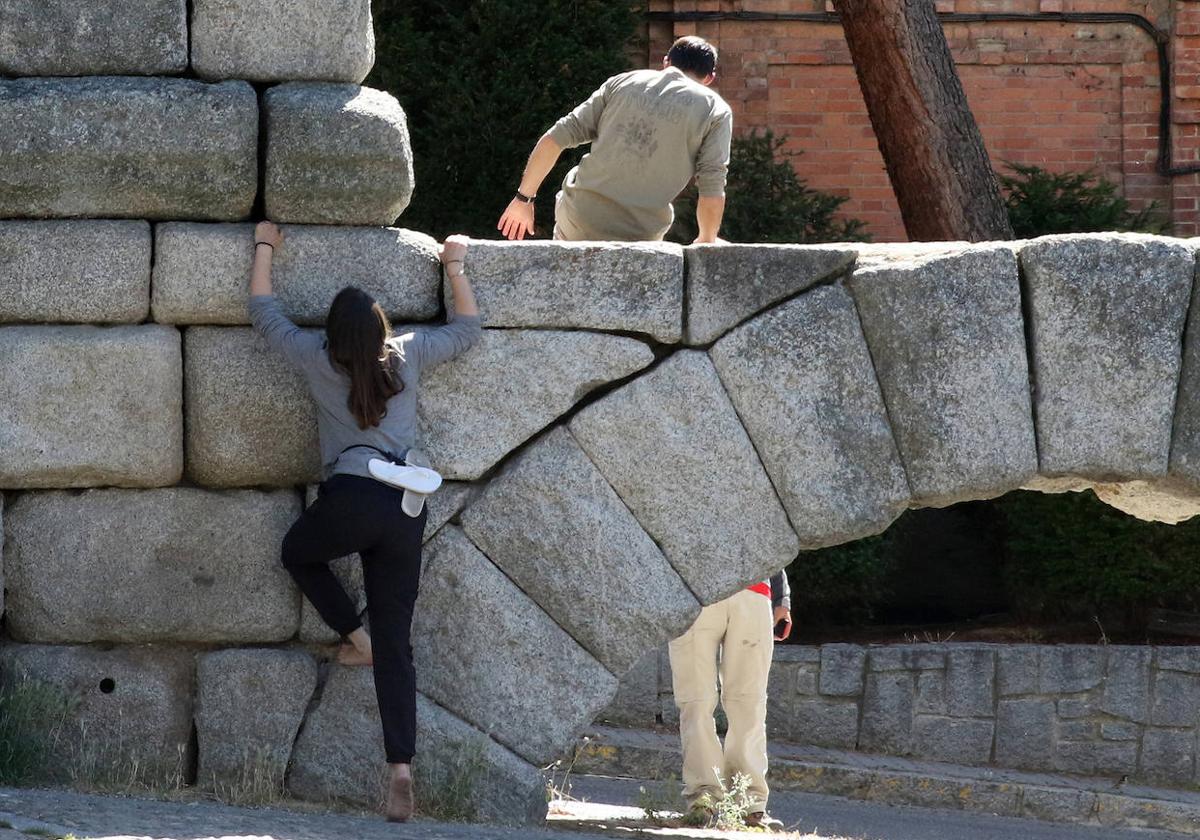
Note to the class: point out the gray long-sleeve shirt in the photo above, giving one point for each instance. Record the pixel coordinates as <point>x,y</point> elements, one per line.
<point>781,590</point>
<point>330,386</point>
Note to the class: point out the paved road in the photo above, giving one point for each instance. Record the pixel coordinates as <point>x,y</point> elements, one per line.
<point>834,816</point>
<point>115,818</point>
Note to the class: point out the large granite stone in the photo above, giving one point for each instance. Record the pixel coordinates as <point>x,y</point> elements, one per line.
<point>177,564</point>
<point>249,706</point>
<point>85,406</point>
<point>801,380</point>
<point>82,272</point>
<point>130,720</point>
<point>672,446</point>
<point>516,675</point>
<point>250,419</point>
<point>126,147</point>
<point>269,41</point>
<point>339,754</point>
<point>626,286</point>
<point>477,408</point>
<point>118,37</point>
<point>443,505</point>
<point>200,271</point>
<point>1,555</point>
<point>948,340</point>
<point>638,702</point>
<point>546,519</point>
<point>1185,441</point>
<point>728,283</point>
<point>1106,323</point>
<point>336,155</point>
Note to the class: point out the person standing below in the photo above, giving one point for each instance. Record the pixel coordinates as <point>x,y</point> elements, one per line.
<point>364,382</point>
<point>738,631</point>
<point>651,132</point>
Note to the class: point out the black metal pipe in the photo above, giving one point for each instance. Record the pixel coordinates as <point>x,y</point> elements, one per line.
<point>1164,165</point>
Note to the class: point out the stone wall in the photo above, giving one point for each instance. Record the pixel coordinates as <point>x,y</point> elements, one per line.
<point>1083,709</point>
<point>643,428</point>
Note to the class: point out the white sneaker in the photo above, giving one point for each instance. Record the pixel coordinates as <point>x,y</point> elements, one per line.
<point>420,480</point>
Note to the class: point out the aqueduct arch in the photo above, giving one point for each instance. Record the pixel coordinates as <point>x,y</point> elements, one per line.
<point>643,429</point>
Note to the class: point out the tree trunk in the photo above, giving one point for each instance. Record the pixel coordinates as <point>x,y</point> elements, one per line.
<point>930,143</point>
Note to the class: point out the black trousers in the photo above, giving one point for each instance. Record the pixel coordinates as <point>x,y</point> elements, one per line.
<point>359,515</point>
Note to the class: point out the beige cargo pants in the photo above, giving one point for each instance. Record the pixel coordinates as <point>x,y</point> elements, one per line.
<point>738,630</point>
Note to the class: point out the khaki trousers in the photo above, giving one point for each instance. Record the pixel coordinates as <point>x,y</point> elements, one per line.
<point>740,631</point>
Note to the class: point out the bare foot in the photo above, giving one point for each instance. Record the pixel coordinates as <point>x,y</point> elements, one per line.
<point>348,654</point>
<point>400,794</point>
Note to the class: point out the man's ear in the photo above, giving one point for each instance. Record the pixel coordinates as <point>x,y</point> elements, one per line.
<point>666,62</point>
<point>709,79</point>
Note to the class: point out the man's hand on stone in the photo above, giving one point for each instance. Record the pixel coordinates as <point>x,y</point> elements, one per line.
<point>517,220</point>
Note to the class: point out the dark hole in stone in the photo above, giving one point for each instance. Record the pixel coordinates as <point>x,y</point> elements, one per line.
<point>107,685</point>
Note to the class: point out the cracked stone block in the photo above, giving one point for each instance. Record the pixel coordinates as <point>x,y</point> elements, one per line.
<point>487,679</point>
<point>83,406</point>
<point>842,669</point>
<point>100,37</point>
<point>268,41</point>
<point>546,518</point>
<point>1069,669</point>
<point>954,740</point>
<point>671,444</point>
<point>200,271</point>
<point>339,755</point>
<point>948,341</point>
<point>729,283</point>
<point>250,419</point>
<point>1106,325</point>
<point>618,287</point>
<point>126,147</point>
<point>887,717</point>
<point>479,407</point>
<point>336,155</point>
<point>131,709</point>
<point>177,564</point>
<point>249,706</point>
<point>89,271</point>
<point>802,381</point>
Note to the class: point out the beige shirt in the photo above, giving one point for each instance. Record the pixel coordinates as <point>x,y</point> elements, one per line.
<point>651,131</point>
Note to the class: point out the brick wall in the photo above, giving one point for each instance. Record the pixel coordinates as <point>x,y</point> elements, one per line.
<point>1061,95</point>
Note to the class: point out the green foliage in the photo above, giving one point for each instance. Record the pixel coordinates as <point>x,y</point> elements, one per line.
<point>32,715</point>
<point>1041,202</point>
<point>480,82</point>
<point>729,811</point>
<point>1070,556</point>
<point>765,201</point>
<point>841,585</point>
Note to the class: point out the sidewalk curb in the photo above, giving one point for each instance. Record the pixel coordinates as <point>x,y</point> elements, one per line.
<point>897,781</point>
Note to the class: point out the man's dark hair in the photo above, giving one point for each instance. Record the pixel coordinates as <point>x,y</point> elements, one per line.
<point>694,56</point>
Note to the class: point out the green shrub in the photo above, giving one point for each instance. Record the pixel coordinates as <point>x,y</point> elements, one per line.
<point>480,82</point>
<point>841,585</point>
<point>1041,202</point>
<point>765,201</point>
<point>1072,557</point>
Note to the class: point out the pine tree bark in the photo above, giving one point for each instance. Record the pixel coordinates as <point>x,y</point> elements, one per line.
<point>930,142</point>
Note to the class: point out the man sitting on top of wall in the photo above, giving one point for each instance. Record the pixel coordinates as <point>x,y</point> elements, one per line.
<point>651,132</point>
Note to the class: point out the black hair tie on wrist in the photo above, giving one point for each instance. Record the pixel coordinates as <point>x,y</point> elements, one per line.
<point>268,244</point>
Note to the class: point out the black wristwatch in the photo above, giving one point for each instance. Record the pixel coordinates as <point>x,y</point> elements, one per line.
<point>527,199</point>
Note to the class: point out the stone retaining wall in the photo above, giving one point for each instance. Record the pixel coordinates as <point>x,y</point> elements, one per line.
<point>1084,709</point>
<point>641,430</point>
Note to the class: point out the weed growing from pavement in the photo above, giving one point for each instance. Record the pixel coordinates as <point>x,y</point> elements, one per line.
<point>730,810</point>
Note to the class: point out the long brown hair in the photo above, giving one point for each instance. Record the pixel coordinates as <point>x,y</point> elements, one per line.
<point>357,330</point>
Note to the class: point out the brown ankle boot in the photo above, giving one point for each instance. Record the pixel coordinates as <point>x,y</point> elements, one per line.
<point>400,798</point>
